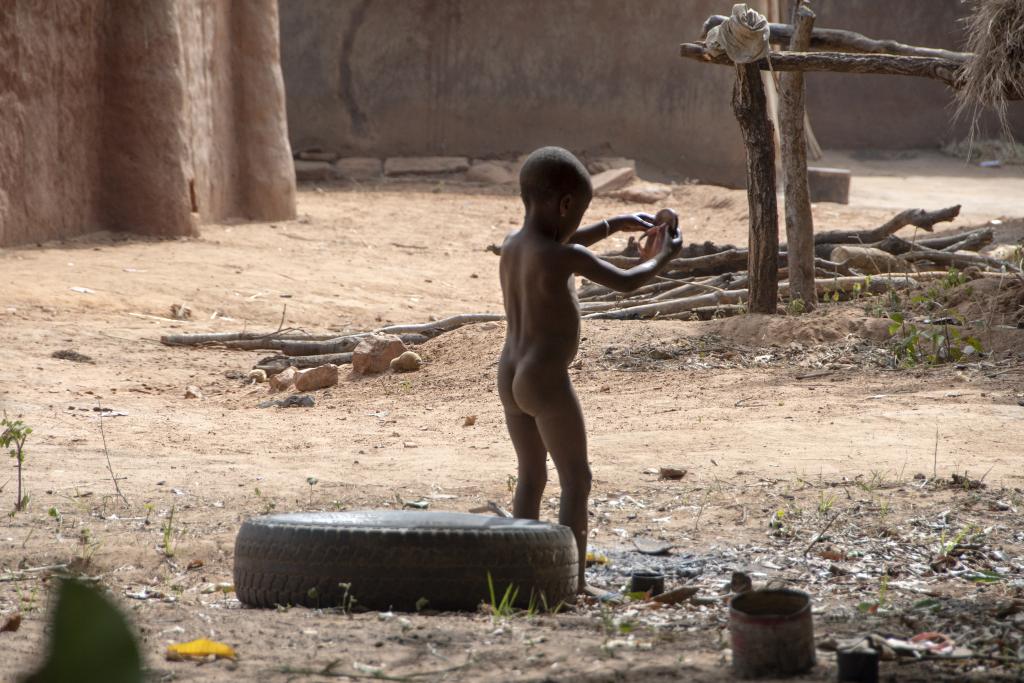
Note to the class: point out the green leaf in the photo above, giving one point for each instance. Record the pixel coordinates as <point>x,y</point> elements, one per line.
<point>90,641</point>
<point>985,577</point>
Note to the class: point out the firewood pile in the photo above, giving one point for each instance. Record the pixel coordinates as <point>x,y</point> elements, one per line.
<point>712,281</point>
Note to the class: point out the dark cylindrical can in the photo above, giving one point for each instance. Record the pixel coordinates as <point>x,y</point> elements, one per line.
<point>643,582</point>
<point>858,665</point>
<point>772,633</point>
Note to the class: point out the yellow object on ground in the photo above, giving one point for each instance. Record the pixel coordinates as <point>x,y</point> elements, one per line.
<point>200,648</point>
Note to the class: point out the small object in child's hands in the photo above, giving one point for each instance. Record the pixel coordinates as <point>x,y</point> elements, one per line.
<point>666,227</point>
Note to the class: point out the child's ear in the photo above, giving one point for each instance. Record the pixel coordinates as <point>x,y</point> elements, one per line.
<point>565,205</point>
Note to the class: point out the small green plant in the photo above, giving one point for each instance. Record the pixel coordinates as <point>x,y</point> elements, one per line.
<point>13,437</point>
<point>825,503</point>
<point>312,481</point>
<point>86,546</point>
<point>167,545</point>
<point>148,507</point>
<point>348,601</point>
<point>796,306</point>
<point>55,514</point>
<point>912,345</point>
<point>502,609</point>
<point>510,483</point>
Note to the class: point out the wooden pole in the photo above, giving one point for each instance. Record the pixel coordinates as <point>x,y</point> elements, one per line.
<point>750,107</point>
<point>944,70</point>
<point>799,221</point>
<point>849,41</point>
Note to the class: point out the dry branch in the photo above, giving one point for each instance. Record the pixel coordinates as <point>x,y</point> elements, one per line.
<point>944,70</point>
<point>920,218</point>
<point>838,40</point>
<point>868,285</point>
<point>432,329</point>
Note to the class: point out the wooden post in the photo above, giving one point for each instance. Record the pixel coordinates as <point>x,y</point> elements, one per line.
<point>799,222</point>
<point>750,108</point>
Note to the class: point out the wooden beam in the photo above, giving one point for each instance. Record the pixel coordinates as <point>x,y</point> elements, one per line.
<point>751,109</point>
<point>837,40</point>
<point>944,70</point>
<point>799,221</point>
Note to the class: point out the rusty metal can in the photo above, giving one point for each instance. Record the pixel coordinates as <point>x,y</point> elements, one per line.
<point>772,633</point>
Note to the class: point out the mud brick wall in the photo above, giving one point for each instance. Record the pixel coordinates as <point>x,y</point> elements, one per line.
<point>493,78</point>
<point>147,116</point>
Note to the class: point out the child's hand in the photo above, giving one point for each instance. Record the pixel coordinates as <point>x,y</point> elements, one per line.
<point>634,222</point>
<point>653,241</point>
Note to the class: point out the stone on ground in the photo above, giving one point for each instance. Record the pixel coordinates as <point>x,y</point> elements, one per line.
<point>192,391</point>
<point>828,184</point>
<point>283,379</point>
<point>359,168</point>
<point>424,165</point>
<point>375,353</point>
<point>491,173</point>
<point>312,171</point>
<point>316,378</point>
<point>602,164</point>
<point>611,180</point>
<point>643,193</point>
<point>317,155</point>
<point>409,361</point>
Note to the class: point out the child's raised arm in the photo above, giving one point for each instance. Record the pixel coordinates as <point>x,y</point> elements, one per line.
<point>584,262</point>
<point>606,228</point>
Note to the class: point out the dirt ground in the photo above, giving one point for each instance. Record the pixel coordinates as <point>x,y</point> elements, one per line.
<point>781,424</point>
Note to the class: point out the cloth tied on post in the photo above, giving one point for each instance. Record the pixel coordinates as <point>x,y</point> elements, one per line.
<point>743,36</point>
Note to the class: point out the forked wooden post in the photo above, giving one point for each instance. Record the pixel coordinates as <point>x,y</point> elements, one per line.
<point>751,110</point>
<point>799,221</point>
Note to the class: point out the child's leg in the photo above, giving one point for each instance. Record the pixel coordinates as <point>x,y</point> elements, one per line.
<point>530,451</point>
<point>533,470</point>
<point>562,429</point>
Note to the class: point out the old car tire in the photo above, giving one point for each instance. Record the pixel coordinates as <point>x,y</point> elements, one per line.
<point>401,560</point>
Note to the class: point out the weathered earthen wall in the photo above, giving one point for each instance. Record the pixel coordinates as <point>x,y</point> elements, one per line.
<point>858,110</point>
<point>490,78</point>
<point>148,116</point>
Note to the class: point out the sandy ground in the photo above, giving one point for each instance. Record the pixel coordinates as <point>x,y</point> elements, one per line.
<point>796,415</point>
<point>901,178</point>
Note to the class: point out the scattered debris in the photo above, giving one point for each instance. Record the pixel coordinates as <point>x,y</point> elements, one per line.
<point>672,473</point>
<point>74,356</point>
<point>293,401</point>
<point>181,312</point>
<point>11,624</point>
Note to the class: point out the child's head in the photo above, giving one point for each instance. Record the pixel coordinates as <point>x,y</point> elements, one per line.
<point>556,186</point>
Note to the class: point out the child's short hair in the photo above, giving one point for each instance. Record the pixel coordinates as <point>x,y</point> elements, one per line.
<point>554,172</point>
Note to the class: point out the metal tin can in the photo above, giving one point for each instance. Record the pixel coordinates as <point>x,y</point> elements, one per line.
<point>772,633</point>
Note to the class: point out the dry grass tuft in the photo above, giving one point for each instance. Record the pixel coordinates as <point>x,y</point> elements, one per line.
<point>995,34</point>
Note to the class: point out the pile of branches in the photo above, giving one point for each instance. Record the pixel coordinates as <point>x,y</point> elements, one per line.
<point>714,282</point>
<point>300,350</point>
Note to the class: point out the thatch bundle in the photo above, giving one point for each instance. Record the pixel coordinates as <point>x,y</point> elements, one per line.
<point>995,75</point>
